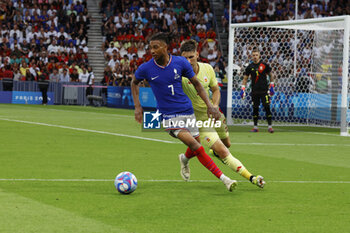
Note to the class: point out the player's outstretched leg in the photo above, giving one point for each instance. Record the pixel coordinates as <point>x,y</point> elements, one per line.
<point>184,163</point>
<point>198,151</point>
<point>185,171</point>
<point>207,162</point>
<point>220,151</point>
<point>231,184</point>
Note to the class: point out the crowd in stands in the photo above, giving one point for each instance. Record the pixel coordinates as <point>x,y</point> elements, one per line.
<point>49,37</point>
<point>43,40</point>
<point>277,10</point>
<point>127,25</point>
<point>277,46</point>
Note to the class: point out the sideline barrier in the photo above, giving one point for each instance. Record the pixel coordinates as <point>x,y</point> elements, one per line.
<point>59,93</point>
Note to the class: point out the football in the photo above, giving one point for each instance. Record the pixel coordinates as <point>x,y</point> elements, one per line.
<point>125,182</point>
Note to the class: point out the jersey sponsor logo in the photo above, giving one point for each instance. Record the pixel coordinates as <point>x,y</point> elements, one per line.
<point>151,120</point>
<point>153,78</point>
<point>206,79</point>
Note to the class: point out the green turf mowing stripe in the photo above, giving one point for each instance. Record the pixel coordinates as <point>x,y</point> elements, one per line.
<point>21,214</point>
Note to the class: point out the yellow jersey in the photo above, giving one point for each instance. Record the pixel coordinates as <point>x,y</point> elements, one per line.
<point>206,76</point>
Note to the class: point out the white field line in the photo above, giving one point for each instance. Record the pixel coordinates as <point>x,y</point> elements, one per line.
<point>165,141</point>
<point>297,131</point>
<point>88,130</point>
<point>128,116</point>
<point>178,181</point>
<point>316,133</point>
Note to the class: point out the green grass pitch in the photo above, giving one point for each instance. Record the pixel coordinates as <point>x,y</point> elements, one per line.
<point>58,163</point>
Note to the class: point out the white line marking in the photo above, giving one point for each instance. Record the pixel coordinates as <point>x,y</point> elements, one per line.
<point>282,128</point>
<point>165,141</point>
<point>90,130</point>
<point>316,133</point>
<point>195,181</point>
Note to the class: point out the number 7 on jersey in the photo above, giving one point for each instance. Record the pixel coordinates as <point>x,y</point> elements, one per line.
<point>172,89</point>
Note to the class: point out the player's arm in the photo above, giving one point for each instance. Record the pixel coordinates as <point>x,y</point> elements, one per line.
<point>245,80</point>
<point>216,95</point>
<point>244,83</point>
<point>212,112</point>
<point>135,94</point>
<point>272,84</point>
<point>214,87</point>
<point>272,76</point>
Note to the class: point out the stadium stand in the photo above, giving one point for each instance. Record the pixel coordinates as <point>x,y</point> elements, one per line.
<point>126,26</point>
<point>40,38</point>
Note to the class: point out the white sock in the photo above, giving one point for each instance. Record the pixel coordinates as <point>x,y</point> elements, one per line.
<point>184,159</point>
<point>270,126</point>
<point>224,178</point>
<point>255,127</point>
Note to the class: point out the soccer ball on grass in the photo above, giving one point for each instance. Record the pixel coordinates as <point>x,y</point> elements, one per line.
<point>125,182</point>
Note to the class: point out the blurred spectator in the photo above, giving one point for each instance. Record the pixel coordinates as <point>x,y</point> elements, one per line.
<point>54,76</point>
<point>17,76</point>
<point>74,76</point>
<point>107,75</point>
<point>212,57</point>
<point>29,76</point>
<point>114,60</point>
<point>64,77</point>
<point>219,75</point>
<point>6,72</point>
<point>125,63</point>
<point>83,77</point>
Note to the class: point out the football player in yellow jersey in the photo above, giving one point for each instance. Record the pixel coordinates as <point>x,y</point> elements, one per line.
<point>217,139</point>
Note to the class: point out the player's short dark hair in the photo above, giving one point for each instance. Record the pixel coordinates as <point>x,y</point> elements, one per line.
<point>188,46</point>
<point>162,36</point>
<point>256,49</point>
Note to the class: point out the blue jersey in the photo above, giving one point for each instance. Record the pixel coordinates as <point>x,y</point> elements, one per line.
<point>166,84</point>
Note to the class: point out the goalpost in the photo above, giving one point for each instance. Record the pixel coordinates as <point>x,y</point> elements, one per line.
<point>310,60</point>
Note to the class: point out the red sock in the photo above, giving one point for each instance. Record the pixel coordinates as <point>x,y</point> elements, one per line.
<point>207,162</point>
<point>189,153</point>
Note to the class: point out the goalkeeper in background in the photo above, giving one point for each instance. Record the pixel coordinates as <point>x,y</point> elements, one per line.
<point>217,139</point>
<point>261,89</point>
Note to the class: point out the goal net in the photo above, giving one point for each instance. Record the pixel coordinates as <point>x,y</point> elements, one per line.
<point>310,61</point>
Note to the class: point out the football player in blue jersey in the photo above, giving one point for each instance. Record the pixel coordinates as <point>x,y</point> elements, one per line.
<point>164,73</point>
